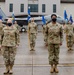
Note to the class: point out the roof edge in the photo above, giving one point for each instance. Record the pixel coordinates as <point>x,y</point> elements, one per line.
<point>67,2</point>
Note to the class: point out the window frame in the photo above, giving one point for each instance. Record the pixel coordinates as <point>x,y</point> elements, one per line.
<point>33,7</point>
<point>43,8</point>
<point>21,8</point>
<point>11,7</point>
<point>54,8</point>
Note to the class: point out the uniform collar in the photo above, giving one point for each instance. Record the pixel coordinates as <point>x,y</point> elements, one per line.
<point>54,24</point>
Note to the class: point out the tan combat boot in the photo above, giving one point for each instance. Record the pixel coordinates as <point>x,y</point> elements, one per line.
<point>30,49</point>
<point>55,69</point>
<point>69,49</point>
<point>46,44</point>
<point>7,69</point>
<point>52,69</point>
<point>10,70</point>
<point>33,49</point>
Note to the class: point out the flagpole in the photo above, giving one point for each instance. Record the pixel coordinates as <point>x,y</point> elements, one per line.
<point>13,17</point>
<point>28,32</point>
<point>28,36</point>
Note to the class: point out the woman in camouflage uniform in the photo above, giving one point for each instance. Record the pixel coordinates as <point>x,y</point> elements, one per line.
<point>54,32</point>
<point>9,41</point>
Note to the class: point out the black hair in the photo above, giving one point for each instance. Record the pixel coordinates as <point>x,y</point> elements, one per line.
<point>53,15</point>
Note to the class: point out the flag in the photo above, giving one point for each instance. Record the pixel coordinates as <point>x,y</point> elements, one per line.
<point>43,20</point>
<point>29,10</point>
<point>28,18</point>
<point>65,15</point>
<point>71,19</point>
<point>1,17</point>
<point>13,17</point>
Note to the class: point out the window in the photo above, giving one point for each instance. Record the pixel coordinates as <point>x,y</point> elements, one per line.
<point>43,7</point>
<point>33,7</point>
<point>54,8</point>
<point>22,8</point>
<point>11,8</point>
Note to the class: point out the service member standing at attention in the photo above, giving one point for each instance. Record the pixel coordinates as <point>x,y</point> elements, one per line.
<point>32,33</point>
<point>16,25</point>
<point>55,35</point>
<point>45,35</point>
<point>9,41</point>
<point>1,27</point>
<point>69,35</point>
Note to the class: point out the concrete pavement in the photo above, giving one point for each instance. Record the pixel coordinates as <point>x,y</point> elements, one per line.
<point>36,63</point>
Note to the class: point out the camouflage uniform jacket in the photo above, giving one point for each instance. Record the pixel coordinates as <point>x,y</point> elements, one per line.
<point>55,33</point>
<point>44,28</point>
<point>10,36</point>
<point>69,29</point>
<point>32,27</point>
<point>17,26</point>
<point>1,27</point>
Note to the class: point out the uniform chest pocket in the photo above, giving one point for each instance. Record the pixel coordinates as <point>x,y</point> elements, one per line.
<point>55,31</point>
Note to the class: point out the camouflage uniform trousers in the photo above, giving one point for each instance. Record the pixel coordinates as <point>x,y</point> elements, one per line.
<point>45,38</point>
<point>9,55</point>
<point>69,41</point>
<point>53,50</point>
<point>32,40</point>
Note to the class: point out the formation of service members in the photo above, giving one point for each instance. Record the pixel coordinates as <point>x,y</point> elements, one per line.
<point>53,37</point>
<point>9,41</point>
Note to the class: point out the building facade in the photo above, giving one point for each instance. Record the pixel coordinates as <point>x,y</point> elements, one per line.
<point>37,7</point>
<point>68,6</point>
